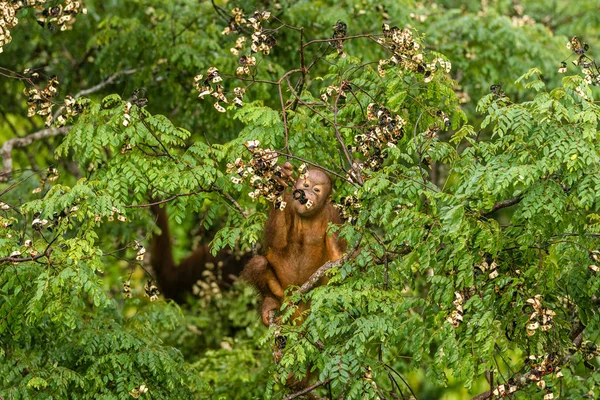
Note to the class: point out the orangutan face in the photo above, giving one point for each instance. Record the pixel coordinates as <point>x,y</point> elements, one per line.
<point>311,194</point>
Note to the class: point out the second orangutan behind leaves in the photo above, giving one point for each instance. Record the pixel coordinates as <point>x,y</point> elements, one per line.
<point>296,240</point>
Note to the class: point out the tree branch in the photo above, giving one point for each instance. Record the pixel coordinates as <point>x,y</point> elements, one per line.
<point>9,145</point>
<point>235,203</point>
<point>307,389</point>
<point>105,83</point>
<point>318,274</point>
<point>46,254</point>
<point>24,259</point>
<point>524,379</point>
<point>97,87</point>
<point>502,204</point>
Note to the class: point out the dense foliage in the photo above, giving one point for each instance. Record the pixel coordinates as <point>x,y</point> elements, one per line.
<point>466,162</point>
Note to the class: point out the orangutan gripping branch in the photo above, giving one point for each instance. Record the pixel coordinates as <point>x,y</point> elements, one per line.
<point>296,240</point>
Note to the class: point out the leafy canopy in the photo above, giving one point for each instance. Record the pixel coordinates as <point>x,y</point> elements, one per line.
<point>477,244</point>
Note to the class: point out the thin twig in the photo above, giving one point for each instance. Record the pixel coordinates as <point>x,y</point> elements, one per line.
<point>173,197</point>
<point>307,389</point>
<point>418,150</point>
<point>354,167</point>
<point>363,35</point>
<point>12,186</point>
<point>149,128</point>
<point>105,83</point>
<point>315,165</point>
<point>235,203</point>
<point>403,380</point>
<point>284,117</point>
<point>523,380</point>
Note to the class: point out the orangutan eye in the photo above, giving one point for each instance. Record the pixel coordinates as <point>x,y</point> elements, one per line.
<point>306,184</point>
<point>317,190</point>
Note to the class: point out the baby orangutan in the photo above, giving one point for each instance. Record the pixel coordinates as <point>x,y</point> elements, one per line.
<point>296,240</point>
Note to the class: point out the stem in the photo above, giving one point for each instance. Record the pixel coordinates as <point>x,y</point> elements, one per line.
<point>307,389</point>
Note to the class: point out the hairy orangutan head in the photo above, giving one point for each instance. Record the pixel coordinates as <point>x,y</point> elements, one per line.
<point>311,193</point>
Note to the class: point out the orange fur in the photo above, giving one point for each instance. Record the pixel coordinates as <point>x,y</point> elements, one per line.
<point>176,281</point>
<point>296,242</point>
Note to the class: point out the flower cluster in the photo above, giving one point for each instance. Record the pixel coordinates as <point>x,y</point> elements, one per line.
<point>127,289</point>
<point>386,130</point>
<point>7,223</point>
<point>589,350</point>
<point>245,63</point>
<point>594,256</point>
<point>240,44</point>
<point>40,102</point>
<point>50,176</point>
<point>141,250</point>
<point>261,41</point>
<point>236,22</point>
<point>126,115</point>
<point>577,46</point>
<point>139,99</point>
<point>540,367</point>
<point>342,90</point>
<point>541,318</point>
<point>443,121</point>
<point>29,249</point>
<point>58,15</point>
<point>208,288</point>
<point>138,391</point>
<point>349,207</point>
<point>70,108</point>
<point>456,316</point>
<point>8,20</point>
<point>211,85</point>
<point>497,90</point>
<point>588,66</point>
<point>340,30</point>
<point>406,53</point>
<point>120,215</point>
<point>488,265</point>
<point>263,174</point>
<point>151,291</point>
<point>38,224</point>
